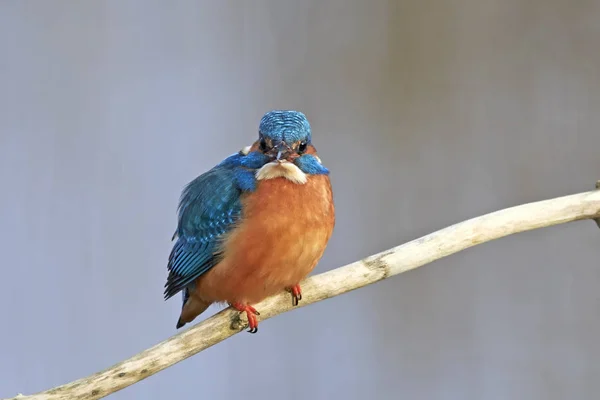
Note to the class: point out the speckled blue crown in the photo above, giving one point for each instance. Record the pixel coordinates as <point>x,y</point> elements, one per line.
<point>287,125</point>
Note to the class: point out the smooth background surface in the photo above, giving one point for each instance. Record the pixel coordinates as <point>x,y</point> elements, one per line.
<point>427,112</point>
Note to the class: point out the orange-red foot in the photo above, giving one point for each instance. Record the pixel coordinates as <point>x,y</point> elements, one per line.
<point>296,294</point>
<point>251,313</point>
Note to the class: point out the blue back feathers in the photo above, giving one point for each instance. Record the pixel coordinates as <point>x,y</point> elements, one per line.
<point>210,205</point>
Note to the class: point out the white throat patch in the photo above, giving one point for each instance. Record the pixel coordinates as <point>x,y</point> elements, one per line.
<point>285,170</point>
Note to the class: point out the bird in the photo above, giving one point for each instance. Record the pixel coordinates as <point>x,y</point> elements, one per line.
<point>254,225</point>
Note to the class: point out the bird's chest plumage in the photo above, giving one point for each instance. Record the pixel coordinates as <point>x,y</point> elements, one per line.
<point>283,234</point>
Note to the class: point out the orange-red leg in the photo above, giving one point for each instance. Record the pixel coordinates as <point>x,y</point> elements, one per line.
<point>296,294</point>
<point>251,313</point>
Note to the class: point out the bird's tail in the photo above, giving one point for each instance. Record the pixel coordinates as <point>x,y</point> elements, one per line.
<point>192,307</point>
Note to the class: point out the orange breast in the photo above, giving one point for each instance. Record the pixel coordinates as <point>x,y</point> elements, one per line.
<point>284,233</point>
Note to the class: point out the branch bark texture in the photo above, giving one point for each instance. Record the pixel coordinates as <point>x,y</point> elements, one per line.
<point>332,283</point>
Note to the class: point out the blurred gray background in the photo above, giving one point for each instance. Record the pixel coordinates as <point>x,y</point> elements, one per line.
<point>426,112</point>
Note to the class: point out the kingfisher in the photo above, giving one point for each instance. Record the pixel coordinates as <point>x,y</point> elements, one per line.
<point>254,225</point>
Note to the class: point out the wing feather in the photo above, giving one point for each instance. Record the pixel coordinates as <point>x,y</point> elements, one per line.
<point>209,208</point>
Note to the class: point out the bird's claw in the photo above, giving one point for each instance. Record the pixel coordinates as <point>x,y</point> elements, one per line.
<point>251,314</point>
<point>296,292</point>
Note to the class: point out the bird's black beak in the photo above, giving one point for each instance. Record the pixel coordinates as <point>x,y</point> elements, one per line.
<point>282,152</point>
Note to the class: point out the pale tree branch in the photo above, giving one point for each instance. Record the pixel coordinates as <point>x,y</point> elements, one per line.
<point>332,283</point>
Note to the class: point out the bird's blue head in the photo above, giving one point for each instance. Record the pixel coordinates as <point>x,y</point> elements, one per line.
<point>284,126</point>
<point>283,148</point>
<point>284,135</point>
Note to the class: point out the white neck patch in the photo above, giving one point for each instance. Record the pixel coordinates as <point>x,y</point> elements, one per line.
<point>246,150</point>
<point>285,170</point>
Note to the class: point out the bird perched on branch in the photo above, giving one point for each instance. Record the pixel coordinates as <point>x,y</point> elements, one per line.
<point>255,224</point>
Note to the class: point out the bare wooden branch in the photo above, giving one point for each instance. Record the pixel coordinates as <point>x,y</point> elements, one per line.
<point>332,283</point>
<point>597,220</point>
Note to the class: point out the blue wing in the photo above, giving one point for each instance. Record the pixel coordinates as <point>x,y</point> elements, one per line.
<point>209,207</point>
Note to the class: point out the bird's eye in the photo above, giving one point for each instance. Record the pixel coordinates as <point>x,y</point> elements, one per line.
<point>263,145</point>
<point>302,147</point>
